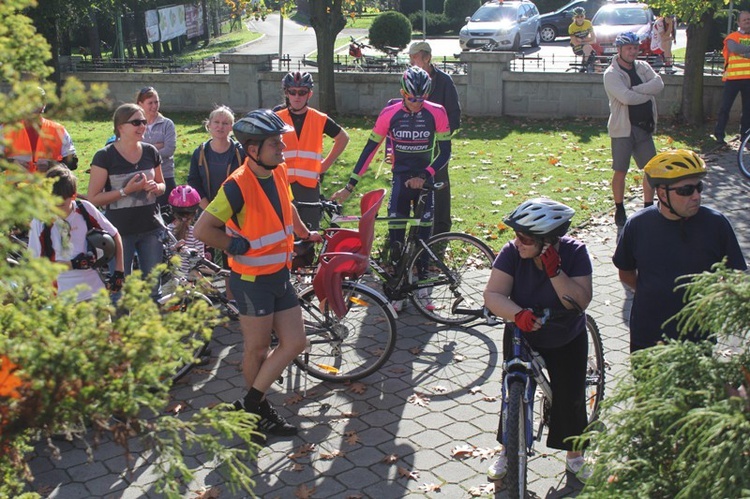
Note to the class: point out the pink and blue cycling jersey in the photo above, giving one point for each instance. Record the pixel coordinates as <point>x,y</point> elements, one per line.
<point>414,137</point>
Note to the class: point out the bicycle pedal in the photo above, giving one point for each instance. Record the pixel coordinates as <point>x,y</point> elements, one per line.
<point>280,380</point>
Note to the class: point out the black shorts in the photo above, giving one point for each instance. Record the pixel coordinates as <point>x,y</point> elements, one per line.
<point>265,295</point>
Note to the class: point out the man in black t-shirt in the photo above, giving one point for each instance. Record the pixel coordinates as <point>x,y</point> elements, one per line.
<point>631,86</point>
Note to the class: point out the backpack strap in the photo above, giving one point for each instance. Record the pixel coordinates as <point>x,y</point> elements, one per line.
<point>202,162</point>
<point>45,240</point>
<point>91,222</point>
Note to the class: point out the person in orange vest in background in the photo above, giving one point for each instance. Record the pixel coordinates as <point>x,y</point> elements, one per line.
<point>736,77</point>
<point>255,204</point>
<point>305,164</point>
<point>39,143</point>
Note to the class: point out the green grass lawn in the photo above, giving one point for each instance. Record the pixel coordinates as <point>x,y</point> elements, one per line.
<point>496,163</point>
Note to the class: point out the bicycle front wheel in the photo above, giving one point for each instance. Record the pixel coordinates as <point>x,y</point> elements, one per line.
<point>352,347</point>
<point>516,445</point>
<point>451,274</point>
<point>743,157</point>
<point>595,367</point>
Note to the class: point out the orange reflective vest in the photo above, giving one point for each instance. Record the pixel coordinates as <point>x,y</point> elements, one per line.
<point>303,156</point>
<point>48,146</point>
<point>271,240</point>
<point>736,67</point>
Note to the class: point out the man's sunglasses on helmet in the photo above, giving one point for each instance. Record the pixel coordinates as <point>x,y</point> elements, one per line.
<point>301,92</point>
<point>687,190</point>
<point>413,98</point>
<point>525,240</point>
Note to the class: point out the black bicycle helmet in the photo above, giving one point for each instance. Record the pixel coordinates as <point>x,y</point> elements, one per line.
<point>102,245</point>
<point>541,217</point>
<point>296,79</point>
<point>416,82</point>
<point>259,125</point>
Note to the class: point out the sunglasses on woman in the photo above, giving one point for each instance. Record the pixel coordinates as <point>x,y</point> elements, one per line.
<point>412,98</point>
<point>301,92</point>
<point>137,122</point>
<point>525,240</point>
<point>687,190</point>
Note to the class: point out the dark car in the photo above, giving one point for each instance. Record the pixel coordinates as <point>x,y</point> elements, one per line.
<point>616,18</point>
<point>556,23</point>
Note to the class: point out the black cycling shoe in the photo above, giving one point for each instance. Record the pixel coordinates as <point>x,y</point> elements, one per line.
<point>274,423</point>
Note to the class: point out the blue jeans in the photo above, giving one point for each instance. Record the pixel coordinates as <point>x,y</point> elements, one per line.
<point>150,251</point>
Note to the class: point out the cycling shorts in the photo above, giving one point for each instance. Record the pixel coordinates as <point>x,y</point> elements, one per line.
<point>265,295</point>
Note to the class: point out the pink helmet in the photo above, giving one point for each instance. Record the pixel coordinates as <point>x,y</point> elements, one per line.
<point>184,199</point>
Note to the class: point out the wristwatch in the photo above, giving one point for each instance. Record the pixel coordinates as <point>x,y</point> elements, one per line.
<point>122,193</point>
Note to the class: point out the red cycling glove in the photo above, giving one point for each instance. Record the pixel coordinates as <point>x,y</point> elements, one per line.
<point>525,320</point>
<point>551,261</point>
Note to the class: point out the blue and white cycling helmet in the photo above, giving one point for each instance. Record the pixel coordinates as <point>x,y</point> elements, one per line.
<point>416,82</point>
<point>259,125</point>
<point>627,38</point>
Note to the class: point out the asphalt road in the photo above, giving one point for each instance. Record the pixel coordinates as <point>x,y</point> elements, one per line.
<point>298,41</point>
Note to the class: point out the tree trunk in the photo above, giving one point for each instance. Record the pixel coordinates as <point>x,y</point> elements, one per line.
<point>327,20</point>
<point>691,108</point>
<point>206,34</point>
<point>95,42</point>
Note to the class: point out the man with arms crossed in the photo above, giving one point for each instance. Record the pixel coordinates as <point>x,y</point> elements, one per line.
<point>631,86</point>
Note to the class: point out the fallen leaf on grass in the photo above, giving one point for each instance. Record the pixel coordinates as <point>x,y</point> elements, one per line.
<point>482,490</point>
<point>358,388</point>
<point>390,458</point>
<point>419,399</point>
<point>304,492</point>
<point>408,474</point>
<point>430,487</point>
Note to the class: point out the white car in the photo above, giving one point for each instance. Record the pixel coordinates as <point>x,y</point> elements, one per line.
<point>502,25</point>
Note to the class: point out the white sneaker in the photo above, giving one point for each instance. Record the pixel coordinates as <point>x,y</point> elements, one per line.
<point>498,469</point>
<point>424,295</point>
<point>398,305</point>
<point>579,467</point>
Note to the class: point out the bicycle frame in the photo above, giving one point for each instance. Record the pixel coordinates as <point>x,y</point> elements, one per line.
<point>526,366</point>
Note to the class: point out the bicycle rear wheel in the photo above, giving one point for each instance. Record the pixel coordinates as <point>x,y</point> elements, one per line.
<point>595,367</point>
<point>516,446</point>
<point>350,348</point>
<point>192,338</point>
<point>743,157</point>
<point>456,270</point>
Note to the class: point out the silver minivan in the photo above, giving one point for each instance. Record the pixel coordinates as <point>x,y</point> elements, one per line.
<point>502,25</point>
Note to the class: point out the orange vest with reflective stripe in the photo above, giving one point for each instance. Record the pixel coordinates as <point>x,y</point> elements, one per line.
<point>48,146</point>
<point>303,156</point>
<point>736,67</point>
<point>271,241</point>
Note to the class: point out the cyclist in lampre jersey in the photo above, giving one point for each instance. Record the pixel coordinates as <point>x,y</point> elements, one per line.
<point>416,127</point>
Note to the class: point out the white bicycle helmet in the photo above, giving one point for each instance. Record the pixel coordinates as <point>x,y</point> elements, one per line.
<point>541,217</point>
<point>259,125</point>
